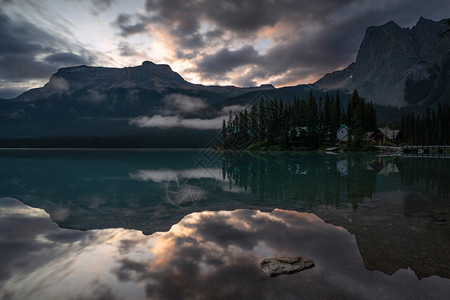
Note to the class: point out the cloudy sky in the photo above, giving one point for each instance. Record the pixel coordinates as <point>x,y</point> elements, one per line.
<point>245,43</point>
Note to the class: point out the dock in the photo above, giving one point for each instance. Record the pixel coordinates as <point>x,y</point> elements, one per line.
<point>434,151</point>
<point>426,149</point>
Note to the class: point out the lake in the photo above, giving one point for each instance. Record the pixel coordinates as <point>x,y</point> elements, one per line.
<point>195,224</point>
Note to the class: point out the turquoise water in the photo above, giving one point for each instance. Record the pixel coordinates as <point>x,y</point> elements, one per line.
<point>174,224</point>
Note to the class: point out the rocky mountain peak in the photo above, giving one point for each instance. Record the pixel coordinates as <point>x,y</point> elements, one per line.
<point>148,63</point>
<point>146,76</point>
<point>87,80</point>
<point>392,59</point>
<point>386,28</point>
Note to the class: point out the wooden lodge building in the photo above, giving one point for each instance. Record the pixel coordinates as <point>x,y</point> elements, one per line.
<point>379,136</point>
<point>385,135</point>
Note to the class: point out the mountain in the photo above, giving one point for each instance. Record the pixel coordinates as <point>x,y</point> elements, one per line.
<point>152,106</point>
<point>86,101</point>
<point>148,76</point>
<point>399,66</point>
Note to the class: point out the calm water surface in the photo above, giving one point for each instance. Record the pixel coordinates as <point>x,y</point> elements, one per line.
<point>192,224</point>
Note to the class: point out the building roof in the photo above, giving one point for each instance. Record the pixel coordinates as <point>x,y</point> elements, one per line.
<point>389,133</point>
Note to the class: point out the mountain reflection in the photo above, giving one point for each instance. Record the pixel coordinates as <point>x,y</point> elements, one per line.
<point>398,209</point>
<point>206,255</point>
<point>316,179</point>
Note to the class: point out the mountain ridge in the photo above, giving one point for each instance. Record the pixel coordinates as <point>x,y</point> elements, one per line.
<point>148,75</point>
<point>391,63</point>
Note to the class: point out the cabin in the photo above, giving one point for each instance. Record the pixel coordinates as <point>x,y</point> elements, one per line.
<point>342,134</point>
<point>384,135</point>
<point>298,131</point>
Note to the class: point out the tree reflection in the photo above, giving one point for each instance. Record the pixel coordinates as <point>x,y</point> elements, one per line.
<point>431,173</point>
<point>310,179</point>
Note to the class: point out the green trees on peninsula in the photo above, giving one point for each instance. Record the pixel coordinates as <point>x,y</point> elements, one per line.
<point>301,124</point>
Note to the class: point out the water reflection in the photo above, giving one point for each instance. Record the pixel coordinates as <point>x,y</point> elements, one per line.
<point>321,179</point>
<point>398,209</point>
<point>398,230</point>
<point>66,183</point>
<point>207,254</point>
<point>311,179</point>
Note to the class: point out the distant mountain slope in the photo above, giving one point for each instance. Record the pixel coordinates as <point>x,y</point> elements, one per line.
<point>148,76</point>
<point>399,66</point>
<point>88,101</point>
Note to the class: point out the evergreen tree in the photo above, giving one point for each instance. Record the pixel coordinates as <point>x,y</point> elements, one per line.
<point>313,121</point>
<point>254,123</point>
<point>338,108</point>
<point>262,120</point>
<point>229,134</point>
<point>358,131</point>
<point>223,133</point>
<point>371,117</point>
<point>301,123</point>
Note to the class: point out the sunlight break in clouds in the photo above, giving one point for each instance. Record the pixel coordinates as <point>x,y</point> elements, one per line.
<point>165,122</point>
<point>245,43</point>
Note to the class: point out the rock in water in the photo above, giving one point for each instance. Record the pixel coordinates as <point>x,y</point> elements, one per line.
<point>276,266</point>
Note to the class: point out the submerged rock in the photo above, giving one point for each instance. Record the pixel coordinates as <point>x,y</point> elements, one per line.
<point>276,266</point>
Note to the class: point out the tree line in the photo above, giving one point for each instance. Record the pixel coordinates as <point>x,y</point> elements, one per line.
<point>301,124</point>
<point>429,128</point>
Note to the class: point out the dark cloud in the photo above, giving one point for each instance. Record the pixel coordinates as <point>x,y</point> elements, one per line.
<point>103,4</point>
<point>127,50</point>
<point>66,236</point>
<point>226,60</point>
<point>182,54</point>
<point>66,59</point>
<point>128,26</point>
<point>22,38</point>
<point>244,16</point>
<point>217,33</point>
<point>180,18</point>
<point>245,81</point>
<point>21,48</point>
<point>184,17</point>
<point>101,292</point>
<point>319,36</point>
<point>22,67</point>
<point>128,268</point>
<point>305,39</point>
<point>193,41</point>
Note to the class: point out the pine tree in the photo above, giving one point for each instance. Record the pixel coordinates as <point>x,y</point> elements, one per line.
<point>223,133</point>
<point>229,134</point>
<point>312,121</point>
<point>262,120</point>
<point>371,117</point>
<point>338,108</point>
<point>254,123</point>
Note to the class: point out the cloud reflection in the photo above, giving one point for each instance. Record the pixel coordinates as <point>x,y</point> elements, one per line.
<point>207,254</point>
<point>168,175</point>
